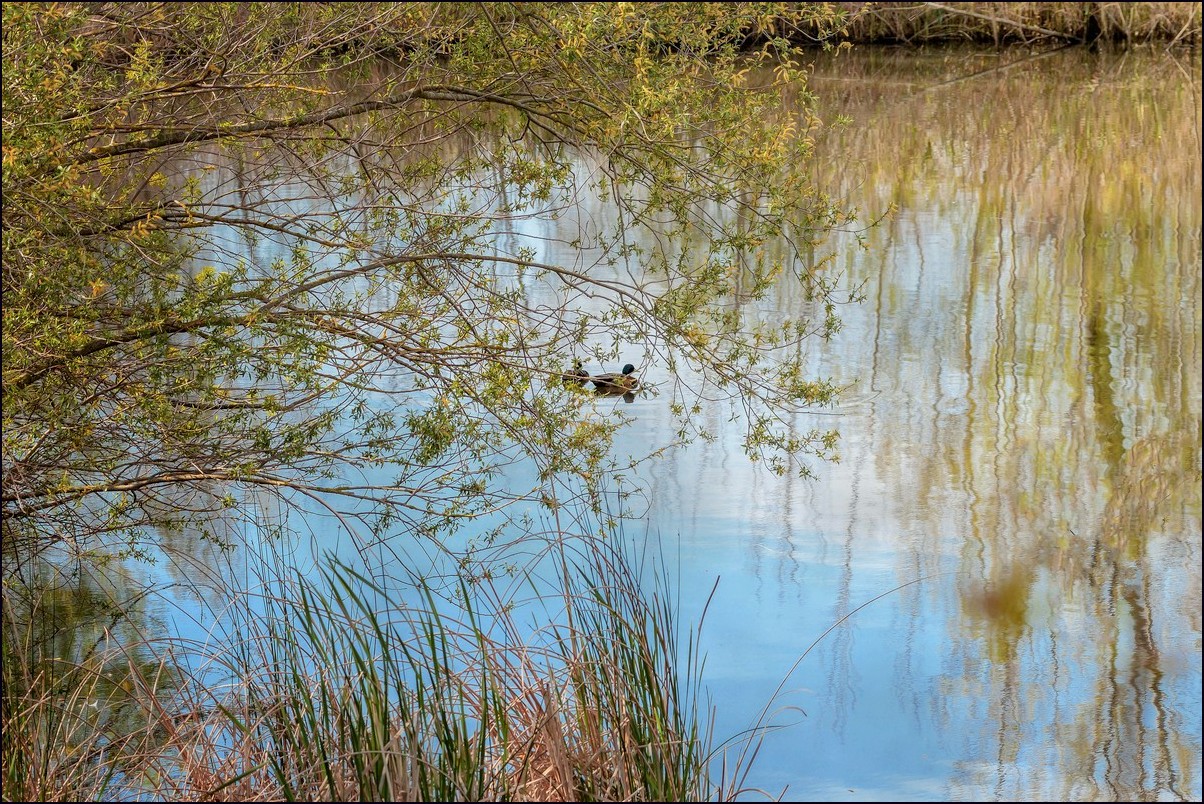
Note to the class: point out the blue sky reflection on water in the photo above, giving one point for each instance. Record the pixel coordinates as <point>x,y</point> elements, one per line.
<point>1022,434</point>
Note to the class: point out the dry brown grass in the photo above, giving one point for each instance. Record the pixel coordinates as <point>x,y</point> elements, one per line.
<point>1003,23</point>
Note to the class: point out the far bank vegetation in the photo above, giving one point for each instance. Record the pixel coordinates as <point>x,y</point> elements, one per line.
<point>1018,23</point>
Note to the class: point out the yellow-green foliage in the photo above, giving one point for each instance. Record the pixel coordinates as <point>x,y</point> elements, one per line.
<point>241,238</point>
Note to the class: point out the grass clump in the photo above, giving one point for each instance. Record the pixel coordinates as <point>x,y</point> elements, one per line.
<point>335,686</point>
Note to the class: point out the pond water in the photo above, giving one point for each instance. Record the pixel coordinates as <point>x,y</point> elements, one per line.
<point>1013,530</point>
<point>996,592</point>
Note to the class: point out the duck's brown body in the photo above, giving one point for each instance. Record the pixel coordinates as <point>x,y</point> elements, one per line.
<point>616,383</point>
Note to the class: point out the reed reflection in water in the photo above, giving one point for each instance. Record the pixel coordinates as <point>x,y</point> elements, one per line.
<point>1021,449</point>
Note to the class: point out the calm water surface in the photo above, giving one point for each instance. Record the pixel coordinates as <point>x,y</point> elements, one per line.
<point>1020,470</point>
<point>1013,531</point>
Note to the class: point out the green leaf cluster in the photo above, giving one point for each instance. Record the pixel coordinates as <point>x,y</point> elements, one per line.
<point>263,248</point>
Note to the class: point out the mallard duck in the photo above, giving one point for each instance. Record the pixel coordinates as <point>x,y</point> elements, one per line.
<point>577,376</point>
<point>616,383</point>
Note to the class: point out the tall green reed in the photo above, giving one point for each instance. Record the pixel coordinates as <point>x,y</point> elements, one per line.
<point>570,679</point>
<point>355,694</point>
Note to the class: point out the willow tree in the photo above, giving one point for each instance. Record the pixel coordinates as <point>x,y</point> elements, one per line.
<point>280,248</point>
